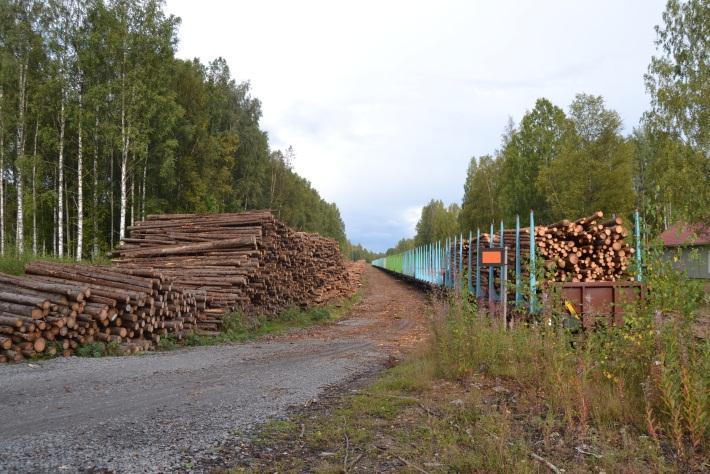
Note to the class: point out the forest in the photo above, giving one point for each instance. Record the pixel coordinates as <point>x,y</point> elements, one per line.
<point>101,124</point>
<point>570,164</point>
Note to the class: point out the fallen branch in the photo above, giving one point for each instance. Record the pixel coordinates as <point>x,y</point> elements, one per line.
<point>413,466</point>
<point>552,467</point>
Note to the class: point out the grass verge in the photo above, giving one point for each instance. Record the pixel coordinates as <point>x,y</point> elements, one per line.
<point>14,264</point>
<point>237,327</point>
<point>631,399</point>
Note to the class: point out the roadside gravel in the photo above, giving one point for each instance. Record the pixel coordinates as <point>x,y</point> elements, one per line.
<point>163,412</point>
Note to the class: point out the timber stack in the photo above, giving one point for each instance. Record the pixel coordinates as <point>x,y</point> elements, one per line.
<point>54,308</point>
<point>586,250</point>
<point>173,275</point>
<point>248,261</point>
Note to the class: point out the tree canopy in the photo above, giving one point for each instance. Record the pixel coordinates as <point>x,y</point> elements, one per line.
<point>101,125</point>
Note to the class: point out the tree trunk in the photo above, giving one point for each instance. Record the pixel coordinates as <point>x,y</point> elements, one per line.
<point>125,140</point>
<point>66,221</point>
<point>80,188</point>
<point>60,185</point>
<point>95,201</point>
<point>22,84</point>
<point>54,232</point>
<point>34,191</point>
<point>2,179</point>
<point>111,203</point>
<point>145,172</point>
<point>133,194</point>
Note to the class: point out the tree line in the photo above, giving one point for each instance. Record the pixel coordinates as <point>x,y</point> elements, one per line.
<point>101,125</point>
<point>568,164</point>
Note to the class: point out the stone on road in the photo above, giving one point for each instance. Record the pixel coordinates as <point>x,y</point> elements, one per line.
<point>161,411</point>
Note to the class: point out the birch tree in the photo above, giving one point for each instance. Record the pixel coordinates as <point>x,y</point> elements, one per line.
<point>2,176</point>
<point>80,182</point>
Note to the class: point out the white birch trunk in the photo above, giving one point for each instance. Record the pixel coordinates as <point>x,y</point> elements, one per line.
<point>54,232</point>
<point>145,172</point>
<point>60,181</point>
<point>2,178</point>
<point>111,196</point>
<point>34,191</point>
<point>124,162</point>
<point>66,221</point>
<point>95,201</point>
<point>80,188</point>
<point>133,194</point>
<point>22,85</point>
<point>124,194</point>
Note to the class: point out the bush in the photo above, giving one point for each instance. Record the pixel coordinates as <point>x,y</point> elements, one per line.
<point>91,349</point>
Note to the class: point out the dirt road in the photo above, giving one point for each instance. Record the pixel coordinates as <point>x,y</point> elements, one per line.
<point>162,411</point>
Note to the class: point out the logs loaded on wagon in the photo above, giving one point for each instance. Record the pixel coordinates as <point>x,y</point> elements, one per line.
<point>588,249</point>
<point>174,274</point>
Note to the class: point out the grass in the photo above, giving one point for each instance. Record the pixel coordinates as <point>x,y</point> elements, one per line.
<point>237,327</point>
<point>482,399</point>
<point>14,264</point>
<point>98,349</point>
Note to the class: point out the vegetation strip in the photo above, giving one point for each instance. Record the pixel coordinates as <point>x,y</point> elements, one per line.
<point>481,399</point>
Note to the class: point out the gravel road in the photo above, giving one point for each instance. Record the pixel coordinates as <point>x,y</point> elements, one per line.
<point>161,412</point>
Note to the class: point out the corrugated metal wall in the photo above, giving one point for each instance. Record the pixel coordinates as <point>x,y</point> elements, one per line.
<point>693,259</point>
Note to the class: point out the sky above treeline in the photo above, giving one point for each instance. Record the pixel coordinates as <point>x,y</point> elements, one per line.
<point>385,103</point>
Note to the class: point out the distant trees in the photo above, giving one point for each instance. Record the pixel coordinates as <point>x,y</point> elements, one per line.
<point>101,125</point>
<point>402,246</point>
<point>481,200</point>
<point>526,151</point>
<point>437,222</point>
<point>358,252</point>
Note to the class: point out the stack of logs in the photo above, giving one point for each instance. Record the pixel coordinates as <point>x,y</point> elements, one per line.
<point>175,274</point>
<point>57,307</point>
<point>248,261</point>
<point>584,250</point>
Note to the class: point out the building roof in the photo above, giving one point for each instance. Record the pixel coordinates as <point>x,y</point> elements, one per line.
<point>683,234</point>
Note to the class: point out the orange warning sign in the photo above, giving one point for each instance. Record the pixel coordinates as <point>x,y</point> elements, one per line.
<point>491,257</point>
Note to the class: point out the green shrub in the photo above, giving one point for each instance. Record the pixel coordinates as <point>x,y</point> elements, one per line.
<point>91,349</point>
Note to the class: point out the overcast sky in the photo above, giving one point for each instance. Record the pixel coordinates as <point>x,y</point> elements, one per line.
<point>385,102</point>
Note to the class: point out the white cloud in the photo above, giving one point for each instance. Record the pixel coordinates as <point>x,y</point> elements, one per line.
<point>385,102</point>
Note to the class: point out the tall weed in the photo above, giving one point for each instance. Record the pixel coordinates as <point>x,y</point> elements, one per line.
<point>651,374</point>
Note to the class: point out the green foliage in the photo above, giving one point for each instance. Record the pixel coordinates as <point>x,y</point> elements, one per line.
<point>402,246</point>
<point>649,374</point>
<point>14,264</point>
<point>190,130</point>
<point>91,349</point>
<point>678,78</point>
<point>526,151</point>
<point>592,143</point>
<point>437,222</point>
<point>481,204</point>
<point>167,342</point>
<point>237,327</point>
<point>358,252</point>
<point>99,349</point>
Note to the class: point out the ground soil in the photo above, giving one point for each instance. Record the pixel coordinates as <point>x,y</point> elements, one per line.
<point>169,411</point>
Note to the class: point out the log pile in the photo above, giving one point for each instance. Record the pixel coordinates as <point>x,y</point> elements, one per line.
<point>55,308</point>
<point>586,250</point>
<point>173,275</point>
<point>249,261</point>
